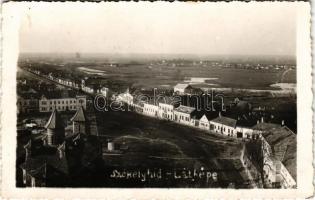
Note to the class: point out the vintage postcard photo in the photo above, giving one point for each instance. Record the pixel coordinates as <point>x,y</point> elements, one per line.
<point>203,99</point>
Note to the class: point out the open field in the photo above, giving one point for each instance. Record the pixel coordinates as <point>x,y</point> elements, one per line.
<point>152,74</point>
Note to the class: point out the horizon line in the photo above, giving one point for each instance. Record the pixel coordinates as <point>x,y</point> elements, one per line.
<point>156,54</point>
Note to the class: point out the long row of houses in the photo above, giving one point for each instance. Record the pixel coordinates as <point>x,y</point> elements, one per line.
<point>62,100</point>
<point>278,141</point>
<point>71,83</point>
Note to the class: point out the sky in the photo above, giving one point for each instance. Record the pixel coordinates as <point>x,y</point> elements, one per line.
<point>266,28</point>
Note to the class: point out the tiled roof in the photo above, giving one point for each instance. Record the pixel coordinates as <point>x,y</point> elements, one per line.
<point>55,121</point>
<point>246,123</point>
<point>283,143</point>
<point>79,116</point>
<point>266,126</point>
<point>167,100</point>
<point>60,94</point>
<point>185,109</point>
<point>198,114</point>
<point>225,120</point>
<point>181,85</point>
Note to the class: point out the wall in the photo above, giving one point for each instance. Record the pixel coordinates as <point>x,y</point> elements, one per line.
<point>150,110</point>
<point>182,118</point>
<point>223,129</point>
<point>166,111</point>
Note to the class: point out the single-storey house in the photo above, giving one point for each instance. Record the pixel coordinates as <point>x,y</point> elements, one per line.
<point>183,114</point>
<point>223,125</point>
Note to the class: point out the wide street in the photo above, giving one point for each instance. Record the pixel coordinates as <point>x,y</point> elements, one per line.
<point>152,143</point>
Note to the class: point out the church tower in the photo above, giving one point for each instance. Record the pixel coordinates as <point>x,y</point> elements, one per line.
<point>79,122</point>
<point>55,129</point>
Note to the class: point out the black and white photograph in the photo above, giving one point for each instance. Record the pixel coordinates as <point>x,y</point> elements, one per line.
<point>158,95</point>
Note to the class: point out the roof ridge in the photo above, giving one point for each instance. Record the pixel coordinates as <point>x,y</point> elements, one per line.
<point>54,120</point>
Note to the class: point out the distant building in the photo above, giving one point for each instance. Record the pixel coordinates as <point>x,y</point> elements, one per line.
<point>125,97</point>
<point>62,101</point>
<point>103,91</point>
<point>27,103</point>
<point>88,89</point>
<point>182,88</point>
<point>223,125</point>
<point>183,114</point>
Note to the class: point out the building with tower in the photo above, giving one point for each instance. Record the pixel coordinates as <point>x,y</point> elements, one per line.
<point>80,122</point>
<point>55,129</point>
<point>52,159</point>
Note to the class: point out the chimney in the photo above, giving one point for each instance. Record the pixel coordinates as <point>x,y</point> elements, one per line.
<point>282,123</point>
<point>262,119</point>
<point>257,121</point>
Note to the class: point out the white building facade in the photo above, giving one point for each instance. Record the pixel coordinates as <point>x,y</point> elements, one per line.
<point>166,111</point>
<point>150,110</point>
<point>182,114</point>
<point>62,104</point>
<point>223,125</point>
<point>244,132</point>
<point>204,123</point>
